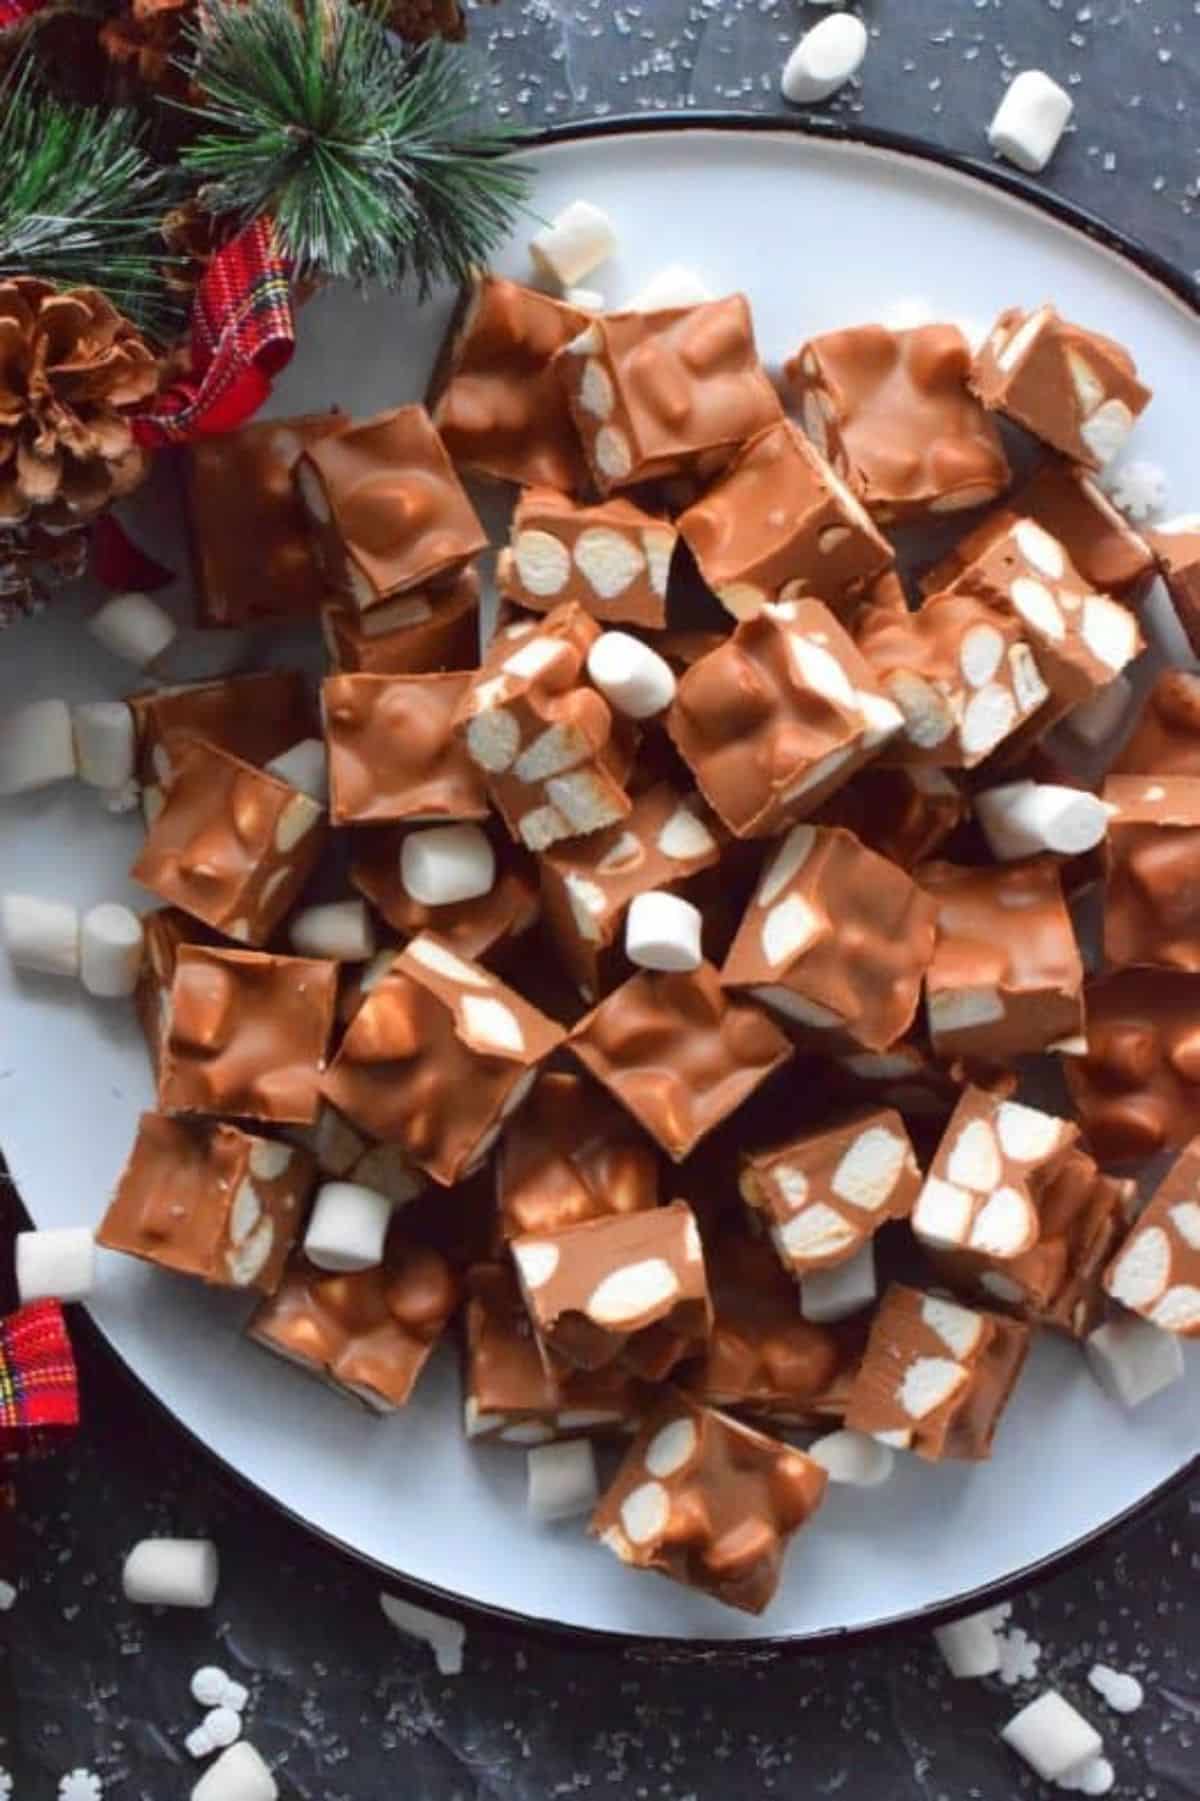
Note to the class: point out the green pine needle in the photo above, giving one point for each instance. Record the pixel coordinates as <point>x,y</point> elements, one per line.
<point>364,152</point>
<point>80,201</point>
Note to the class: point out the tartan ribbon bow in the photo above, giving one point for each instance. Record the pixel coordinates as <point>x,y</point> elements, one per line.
<point>39,1389</point>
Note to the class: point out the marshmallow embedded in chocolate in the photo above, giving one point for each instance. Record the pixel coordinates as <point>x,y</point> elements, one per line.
<point>1074,389</point>
<point>613,559</point>
<point>488,927</point>
<point>1137,1091</point>
<point>393,750</point>
<point>419,633</point>
<point>1152,871</point>
<point>1165,740</point>
<point>571,1154</point>
<point>1156,1272</point>
<point>987,1178</point>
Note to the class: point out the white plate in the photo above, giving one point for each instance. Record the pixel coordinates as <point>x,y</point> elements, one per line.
<point>820,235</point>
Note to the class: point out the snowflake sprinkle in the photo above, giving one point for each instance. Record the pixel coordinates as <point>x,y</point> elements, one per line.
<point>80,1785</point>
<point>1019,1656</point>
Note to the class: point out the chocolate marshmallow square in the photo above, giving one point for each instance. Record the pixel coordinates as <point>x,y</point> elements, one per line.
<point>1137,1091</point>
<point>709,1503</point>
<point>986,1180</point>
<point>679,1052</point>
<point>1156,1273</point>
<point>612,559</point>
<point>1176,547</point>
<point>488,928</point>
<point>1152,871</point>
<point>209,1200</point>
<point>1006,978</point>
<point>230,844</point>
<point>781,524</point>
<point>394,752</point>
<point>1074,389</point>
<point>165,930</point>
<point>387,510</point>
<point>416,634</point>
<point>892,412</point>
<point>571,1154</point>
<point>1166,736</point>
<point>254,717</point>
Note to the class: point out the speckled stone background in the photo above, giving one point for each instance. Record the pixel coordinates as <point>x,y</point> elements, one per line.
<point>345,1709</point>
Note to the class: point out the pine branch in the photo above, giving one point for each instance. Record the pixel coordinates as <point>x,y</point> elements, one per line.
<point>81,202</point>
<point>364,152</point>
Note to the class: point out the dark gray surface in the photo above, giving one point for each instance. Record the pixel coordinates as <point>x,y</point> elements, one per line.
<point>349,1711</point>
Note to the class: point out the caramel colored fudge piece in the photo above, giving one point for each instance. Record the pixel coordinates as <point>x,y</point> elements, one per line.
<point>709,1503</point>
<point>891,410</point>
<point>255,717</point>
<point>394,752</point>
<point>1006,977</point>
<point>781,524</point>
<point>248,1035</point>
<point>612,559</point>
<point>415,634</point>
<point>1157,1270</point>
<point>542,737</point>
<point>500,406</point>
<point>571,1154</point>
<point>387,510</point>
<point>588,883</point>
<point>1166,738</point>
<point>666,393</point>
<point>439,1054</point>
<point>165,930</point>
<point>1152,870</point>
<point>779,717</point>
<point>679,1052</point>
<point>209,1200</point>
<point>904,813</point>
<point>1074,389</point>
<point>231,844</point>
<point>252,554</point>
<point>488,927</point>
<point>825,1194</point>
<point>835,939</point>
<point>1137,1091</point>
<point>367,1334</point>
<point>627,1288</point>
<point>1176,547</point>
<point>985,1183</point>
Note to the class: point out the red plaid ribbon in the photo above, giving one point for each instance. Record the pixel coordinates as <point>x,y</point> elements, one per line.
<point>15,12</point>
<point>39,1392</point>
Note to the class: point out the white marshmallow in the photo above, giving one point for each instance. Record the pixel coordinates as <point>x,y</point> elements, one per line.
<point>198,1743</point>
<point>1023,819</point>
<point>1030,120</point>
<point>208,1685</point>
<point>41,934</point>
<point>662,931</point>
<point>171,1572</point>
<point>304,766</point>
<point>134,628</point>
<point>1052,1736</point>
<point>446,864</point>
<point>675,285</point>
<point>104,743</point>
<point>348,1226</point>
<point>632,678</point>
<point>588,300</point>
<point>236,1696</point>
<point>444,1637</point>
<point>1095,721</point>
<point>854,1458</point>
<point>969,1646</point>
<point>576,241</point>
<point>111,947</point>
<point>58,1265</point>
<point>562,1480</point>
<point>825,59</point>
<point>1124,1693</point>
<point>223,1726</point>
<point>37,747</point>
<point>1133,1360</point>
<point>341,930</point>
<point>845,1288</point>
<point>239,1774</point>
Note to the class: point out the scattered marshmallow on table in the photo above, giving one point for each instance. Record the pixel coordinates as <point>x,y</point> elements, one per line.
<point>444,1637</point>
<point>171,1572</point>
<point>1124,1693</point>
<point>134,628</point>
<point>576,241</point>
<point>854,1458</point>
<point>1133,1360</point>
<point>562,1480</point>
<point>239,1774</point>
<point>41,935</point>
<point>674,285</point>
<point>828,1295</point>
<point>968,1647</point>
<point>348,1226</point>
<point>57,1265</point>
<point>1051,1736</point>
<point>662,931</point>
<point>112,945</point>
<point>208,1685</point>
<point>341,930</point>
<point>104,743</point>
<point>1023,819</point>
<point>442,865</point>
<point>304,766</point>
<point>1095,1776</point>
<point>223,1726</point>
<point>37,747</point>
<point>632,678</point>
<point>1030,120</point>
<point>825,59</point>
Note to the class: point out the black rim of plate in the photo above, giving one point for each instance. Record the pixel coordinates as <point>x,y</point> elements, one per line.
<point>821,130</point>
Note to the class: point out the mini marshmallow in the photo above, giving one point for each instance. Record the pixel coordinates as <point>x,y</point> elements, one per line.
<point>111,948</point>
<point>632,678</point>
<point>588,300</point>
<point>1023,819</point>
<point>1096,1776</point>
<point>208,1685</point>
<point>236,1696</point>
<point>854,1457</point>
<point>676,285</point>
<point>1138,488</point>
<point>348,1226</point>
<point>1094,722</point>
<point>223,1726</point>
<point>134,628</point>
<point>41,934</point>
<point>37,747</point>
<point>198,1743</point>
<point>1123,1693</point>
<point>444,864</point>
<point>562,1480</point>
<point>825,59</point>
<point>338,929</point>
<point>444,1637</point>
<point>969,1646</point>
<point>576,241</point>
<point>104,743</point>
<point>171,1572</point>
<point>57,1265</point>
<point>1133,1360</point>
<point>239,1774</point>
<point>662,931</point>
<point>304,766</point>
<point>1052,1736</point>
<point>835,1293</point>
<point>8,1596</point>
<point>1030,120</point>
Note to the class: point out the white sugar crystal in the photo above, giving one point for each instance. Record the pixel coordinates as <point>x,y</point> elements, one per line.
<point>1019,1656</point>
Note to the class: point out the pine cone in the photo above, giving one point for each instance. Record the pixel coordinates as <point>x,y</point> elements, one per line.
<point>32,559</point>
<point>418,20</point>
<point>71,368</point>
<point>143,39</point>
